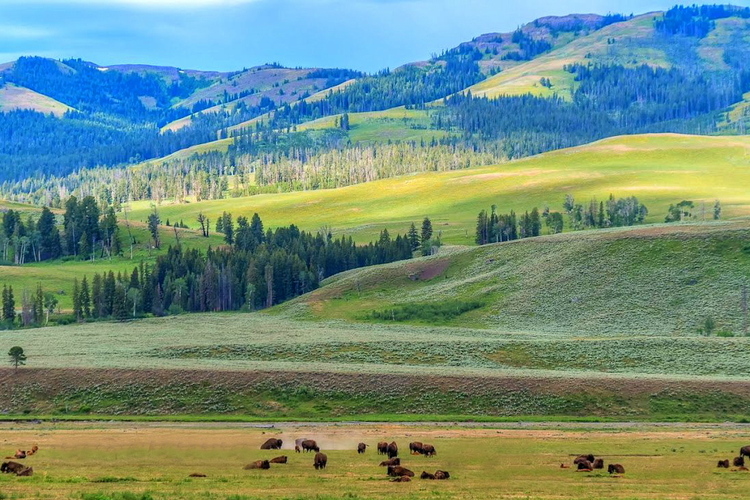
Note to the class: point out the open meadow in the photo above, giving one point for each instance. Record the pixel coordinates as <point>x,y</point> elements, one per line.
<point>128,461</point>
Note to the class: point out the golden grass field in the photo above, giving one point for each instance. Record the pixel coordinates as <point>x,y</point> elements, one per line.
<point>153,461</point>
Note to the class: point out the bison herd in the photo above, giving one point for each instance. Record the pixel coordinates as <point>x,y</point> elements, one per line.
<point>738,462</point>
<point>17,468</point>
<point>393,463</point>
<point>589,463</point>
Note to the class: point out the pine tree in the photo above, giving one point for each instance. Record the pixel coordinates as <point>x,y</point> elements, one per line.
<point>426,230</point>
<point>85,298</point>
<point>153,227</point>
<point>50,247</point>
<point>119,303</point>
<point>482,231</point>
<point>77,309</point>
<point>97,300</point>
<point>535,222</point>
<point>413,237</point>
<point>9,305</point>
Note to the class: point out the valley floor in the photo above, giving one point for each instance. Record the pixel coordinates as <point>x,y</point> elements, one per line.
<point>153,461</point>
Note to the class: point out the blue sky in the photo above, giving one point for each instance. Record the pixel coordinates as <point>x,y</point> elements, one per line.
<point>232,34</point>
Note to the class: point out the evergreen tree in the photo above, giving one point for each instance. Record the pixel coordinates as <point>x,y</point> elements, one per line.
<point>85,299</point>
<point>77,306</point>
<point>97,300</point>
<point>9,305</point>
<point>717,210</point>
<point>17,356</point>
<point>153,227</point>
<point>413,237</point>
<point>426,230</point>
<point>535,222</point>
<point>119,303</point>
<point>483,226</point>
<point>50,246</point>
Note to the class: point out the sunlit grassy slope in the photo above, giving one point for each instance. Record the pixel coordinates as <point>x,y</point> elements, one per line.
<point>658,169</point>
<point>13,98</point>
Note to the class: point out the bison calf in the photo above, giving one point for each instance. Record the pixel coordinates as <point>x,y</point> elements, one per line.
<point>279,460</point>
<point>258,464</point>
<point>723,463</point>
<point>738,461</point>
<point>427,475</point>
<point>401,479</point>
<point>320,462</point>
<point>616,469</point>
<point>598,464</point>
<point>442,474</point>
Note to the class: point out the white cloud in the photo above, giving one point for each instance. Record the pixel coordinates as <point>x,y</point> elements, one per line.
<point>19,32</point>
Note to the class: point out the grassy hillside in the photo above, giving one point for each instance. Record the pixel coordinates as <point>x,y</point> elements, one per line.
<point>657,281</point>
<point>658,169</point>
<point>14,98</point>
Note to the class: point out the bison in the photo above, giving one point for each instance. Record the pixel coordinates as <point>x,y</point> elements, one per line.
<point>361,448</point>
<point>197,474</point>
<point>401,479</point>
<point>392,450</point>
<point>11,467</point>
<point>320,461</point>
<point>598,464</point>
<point>745,451</point>
<point>279,460</point>
<point>415,448</point>
<point>390,462</point>
<point>32,451</point>
<point>310,445</point>
<point>428,450</point>
<point>427,475</point>
<point>398,471</point>
<point>298,444</point>
<point>616,469</point>
<point>738,461</point>
<point>258,464</point>
<point>382,448</point>
<point>583,458</point>
<point>585,466</point>
<point>27,471</point>
<point>723,463</point>
<point>442,474</point>
<point>272,444</point>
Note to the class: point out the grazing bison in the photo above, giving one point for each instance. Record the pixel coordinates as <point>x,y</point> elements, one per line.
<point>723,463</point>
<point>197,474</point>
<point>272,444</point>
<point>442,474</point>
<point>320,461</point>
<point>382,448</point>
<point>258,464</point>
<point>399,471</point>
<point>745,451</point>
<point>427,475</point>
<point>11,467</point>
<point>392,450</point>
<point>27,471</point>
<point>279,460</point>
<point>415,448</point>
<point>616,468</point>
<point>390,462</point>
<point>401,479</point>
<point>310,445</point>
<point>361,448</point>
<point>598,464</point>
<point>428,450</point>
<point>738,461</point>
<point>583,458</point>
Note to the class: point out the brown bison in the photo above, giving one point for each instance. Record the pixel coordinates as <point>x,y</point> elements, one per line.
<point>392,450</point>
<point>272,444</point>
<point>279,460</point>
<point>390,462</point>
<point>585,466</point>
<point>382,448</point>
<point>427,475</point>
<point>616,469</point>
<point>27,471</point>
<point>723,463</point>
<point>738,461</point>
<point>361,448</point>
<point>197,474</point>
<point>597,464</point>
<point>401,479</point>
<point>320,461</point>
<point>398,471</point>
<point>11,467</point>
<point>745,451</point>
<point>415,448</point>
<point>428,450</point>
<point>310,445</point>
<point>442,474</point>
<point>258,464</point>
<point>583,458</point>
<point>298,444</point>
